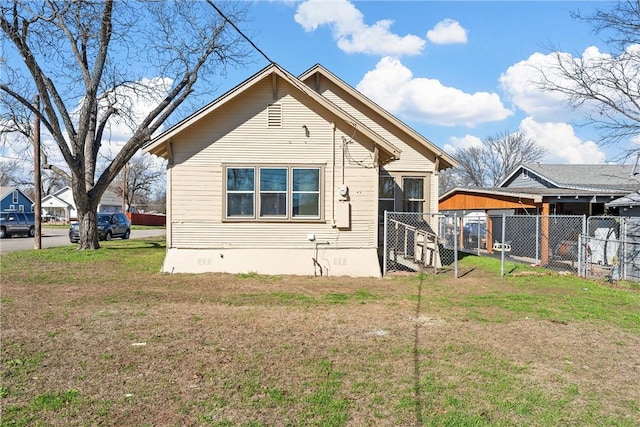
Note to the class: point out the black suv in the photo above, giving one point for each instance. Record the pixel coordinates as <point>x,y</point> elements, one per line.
<point>16,223</point>
<point>110,225</point>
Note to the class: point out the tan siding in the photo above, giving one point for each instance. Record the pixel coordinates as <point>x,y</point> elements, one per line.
<point>414,157</point>
<point>239,134</point>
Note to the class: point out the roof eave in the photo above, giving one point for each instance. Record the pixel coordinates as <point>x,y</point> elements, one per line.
<point>446,161</point>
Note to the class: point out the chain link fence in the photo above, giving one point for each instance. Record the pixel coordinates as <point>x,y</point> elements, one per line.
<point>612,249</point>
<point>599,246</point>
<point>417,242</point>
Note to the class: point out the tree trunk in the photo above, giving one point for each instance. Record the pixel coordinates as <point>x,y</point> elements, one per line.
<point>87,210</point>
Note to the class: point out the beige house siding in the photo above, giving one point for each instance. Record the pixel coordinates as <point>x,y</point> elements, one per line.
<point>271,120</point>
<point>415,159</point>
<point>197,175</point>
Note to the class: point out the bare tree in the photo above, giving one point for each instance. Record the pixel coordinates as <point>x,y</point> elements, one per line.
<point>506,151</point>
<point>607,85</point>
<point>11,173</point>
<point>489,164</point>
<point>90,62</point>
<point>141,177</point>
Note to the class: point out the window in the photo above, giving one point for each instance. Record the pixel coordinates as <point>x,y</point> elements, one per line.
<point>306,193</point>
<point>413,194</point>
<point>276,193</point>
<point>273,192</point>
<point>386,196</point>
<point>20,208</point>
<point>240,192</point>
<point>15,196</point>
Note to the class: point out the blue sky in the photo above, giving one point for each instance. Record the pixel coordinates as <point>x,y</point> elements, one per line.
<point>455,71</point>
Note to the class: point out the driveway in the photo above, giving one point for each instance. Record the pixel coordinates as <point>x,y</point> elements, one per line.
<point>53,237</point>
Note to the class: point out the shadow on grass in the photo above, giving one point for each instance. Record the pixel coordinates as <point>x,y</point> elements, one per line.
<point>416,356</point>
<point>138,245</point>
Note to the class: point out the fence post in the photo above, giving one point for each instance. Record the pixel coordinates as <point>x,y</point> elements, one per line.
<point>538,219</point>
<point>504,220</point>
<point>384,255</point>
<point>582,240</point>
<point>455,244</point>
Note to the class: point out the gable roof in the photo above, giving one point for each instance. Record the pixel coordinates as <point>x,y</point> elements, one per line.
<point>158,145</point>
<point>582,177</point>
<point>7,190</point>
<point>51,200</point>
<point>446,161</point>
<point>109,198</point>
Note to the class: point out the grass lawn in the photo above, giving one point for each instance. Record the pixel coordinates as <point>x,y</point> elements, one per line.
<point>102,338</point>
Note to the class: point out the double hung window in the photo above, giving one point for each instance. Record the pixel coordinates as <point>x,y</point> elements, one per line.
<point>272,193</point>
<point>413,194</point>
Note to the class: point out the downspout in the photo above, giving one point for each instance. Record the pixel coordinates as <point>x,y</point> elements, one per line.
<point>333,175</point>
<point>169,215</point>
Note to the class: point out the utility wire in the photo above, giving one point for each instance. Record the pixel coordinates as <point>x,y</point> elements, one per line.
<point>240,31</point>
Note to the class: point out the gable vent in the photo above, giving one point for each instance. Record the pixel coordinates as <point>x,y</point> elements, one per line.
<point>274,115</point>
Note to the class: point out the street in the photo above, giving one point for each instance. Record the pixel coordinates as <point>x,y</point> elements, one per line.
<point>53,237</point>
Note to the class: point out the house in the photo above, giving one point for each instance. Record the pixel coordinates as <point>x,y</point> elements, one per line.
<point>627,206</point>
<point>548,189</point>
<point>13,199</point>
<point>61,204</point>
<point>290,175</point>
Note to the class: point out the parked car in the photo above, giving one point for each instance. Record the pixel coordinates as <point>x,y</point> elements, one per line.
<point>12,223</point>
<point>110,225</point>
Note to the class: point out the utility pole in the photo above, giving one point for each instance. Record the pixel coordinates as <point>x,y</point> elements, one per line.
<point>124,187</point>
<point>37,179</point>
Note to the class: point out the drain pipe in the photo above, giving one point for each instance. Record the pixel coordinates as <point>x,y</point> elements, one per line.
<point>333,175</point>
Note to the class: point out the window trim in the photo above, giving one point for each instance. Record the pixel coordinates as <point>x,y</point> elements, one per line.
<point>226,193</point>
<point>406,200</point>
<point>288,218</point>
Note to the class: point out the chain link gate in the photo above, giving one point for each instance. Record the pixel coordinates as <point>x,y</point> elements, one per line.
<point>418,241</point>
<point>612,246</point>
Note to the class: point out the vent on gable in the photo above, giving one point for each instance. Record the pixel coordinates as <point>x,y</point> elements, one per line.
<point>274,115</point>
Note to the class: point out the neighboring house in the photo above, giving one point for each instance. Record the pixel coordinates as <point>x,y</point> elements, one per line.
<point>627,206</point>
<point>13,199</point>
<point>61,204</point>
<point>286,175</point>
<point>550,189</point>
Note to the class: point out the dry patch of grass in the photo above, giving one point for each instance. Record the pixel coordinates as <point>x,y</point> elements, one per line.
<point>104,339</point>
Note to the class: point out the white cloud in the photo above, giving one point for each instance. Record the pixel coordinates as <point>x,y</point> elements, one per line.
<point>135,102</point>
<point>561,143</point>
<point>466,141</point>
<point>351,32</point>
<point>519,83</point>
<point>447,31</point>
<point>393,86</point>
